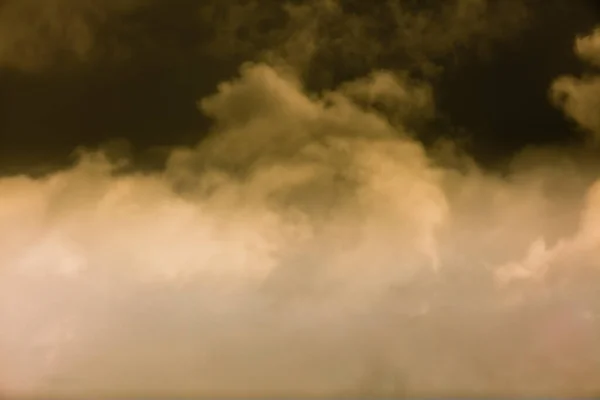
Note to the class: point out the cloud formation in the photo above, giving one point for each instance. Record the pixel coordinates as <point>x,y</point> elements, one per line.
<point>324,35</point>
<point>304,34</point>
<point>309,246</point>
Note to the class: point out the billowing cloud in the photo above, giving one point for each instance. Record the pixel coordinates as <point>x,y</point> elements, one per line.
<point>309,246</point>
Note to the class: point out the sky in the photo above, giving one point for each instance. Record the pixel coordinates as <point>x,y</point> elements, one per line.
<point>303,198</point>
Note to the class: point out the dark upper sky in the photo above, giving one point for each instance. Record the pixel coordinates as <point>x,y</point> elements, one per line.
<point>83,73</point>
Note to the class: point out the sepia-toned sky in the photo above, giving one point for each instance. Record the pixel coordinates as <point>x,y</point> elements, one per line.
<point>86,72</point>
<point>230,198</point>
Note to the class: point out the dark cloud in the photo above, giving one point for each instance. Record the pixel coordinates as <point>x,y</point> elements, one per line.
<point>154,58</point>
<point>38,35</point>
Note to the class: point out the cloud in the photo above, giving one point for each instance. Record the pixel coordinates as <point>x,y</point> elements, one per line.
<point>579,97</point>
<point>303,35</point>
<point>37,35</point>
<point>588,47</point>
<point>396,96</point>
<point>309,246</point>
<point>290,197</point>
<point>316,37</point>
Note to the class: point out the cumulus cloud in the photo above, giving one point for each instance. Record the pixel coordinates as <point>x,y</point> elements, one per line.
<point>308,247</point>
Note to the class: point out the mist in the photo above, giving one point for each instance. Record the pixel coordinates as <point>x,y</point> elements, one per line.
<point>309,246</point>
